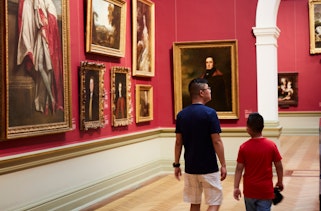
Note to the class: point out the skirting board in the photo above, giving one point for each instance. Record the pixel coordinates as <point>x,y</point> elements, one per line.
<point>100,191</point>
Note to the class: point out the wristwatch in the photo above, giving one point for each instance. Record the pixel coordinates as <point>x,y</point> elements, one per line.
<point>176,165</point>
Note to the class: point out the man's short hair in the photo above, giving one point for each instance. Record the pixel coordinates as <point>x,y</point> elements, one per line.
<point>196,85</point>
<point>256,122</point>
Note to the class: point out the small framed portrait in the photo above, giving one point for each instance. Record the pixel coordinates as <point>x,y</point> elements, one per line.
<point>91,95</point>
<point>121,96</point>
<point>215,61</point>
<point>35,68</point>
<point>315,26</point>
<point>287,89</point>
<point>106,27</point>
<point>143,38</point>
<point>144,103</point>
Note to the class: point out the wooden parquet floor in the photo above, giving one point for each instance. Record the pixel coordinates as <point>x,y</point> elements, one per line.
<point>301,193</point>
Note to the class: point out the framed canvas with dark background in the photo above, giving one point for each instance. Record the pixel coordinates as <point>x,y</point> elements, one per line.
<point>189,63</point>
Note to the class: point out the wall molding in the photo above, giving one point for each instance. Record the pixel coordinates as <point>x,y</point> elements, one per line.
<point>87,194</point>
<point>20,162</point>
<point>23,161</point>
<point>300,123</point>
<point>300,114</point>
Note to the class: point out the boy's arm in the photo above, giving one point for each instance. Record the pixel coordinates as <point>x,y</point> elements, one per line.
<point>279,171</point>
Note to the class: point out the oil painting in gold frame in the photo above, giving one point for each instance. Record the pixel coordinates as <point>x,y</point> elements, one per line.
<point>190,62</point>
<point>35,69</point>
<point>144,103</point>
<point>315,26</point>
<point>92,95</point>
<point>121,96</point>
<point>106,27</point>
<point>143,18</point>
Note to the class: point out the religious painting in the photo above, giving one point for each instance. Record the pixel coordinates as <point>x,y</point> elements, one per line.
<point>106,27</point>
<point>144,103</point>
<point>92,95</point>
<point>121,96</point>
<point>35,76</point>
<point>143,38</point>
<point>315,26</point>
<point>217,62</point>
<point>287,89</point>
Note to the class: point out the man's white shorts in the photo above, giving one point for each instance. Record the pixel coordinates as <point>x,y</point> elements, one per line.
<point>194,184</point>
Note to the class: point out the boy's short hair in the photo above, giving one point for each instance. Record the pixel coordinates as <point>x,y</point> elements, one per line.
<point>256,122</point>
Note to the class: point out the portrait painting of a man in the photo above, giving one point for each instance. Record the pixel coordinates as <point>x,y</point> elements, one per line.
<point>121,97</point>
<point>92,96</point>
<point>215,61</point>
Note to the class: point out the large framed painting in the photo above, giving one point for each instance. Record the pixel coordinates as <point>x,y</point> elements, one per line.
<point>144,103</point>
<point>143,13</point>
<point>315,26</point>
<point>217,62</point>
<point>121,96</point>
<point>35,69</point>
<point>106,27</point>
<point>92,95</point>
<point>287,89</point>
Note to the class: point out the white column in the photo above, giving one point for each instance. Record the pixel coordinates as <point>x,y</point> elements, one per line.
<point>267,33</point>
<point>266,51</point>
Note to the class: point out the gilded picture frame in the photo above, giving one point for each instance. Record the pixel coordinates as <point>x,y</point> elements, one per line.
<point>190,62</point>
<point>121,96</point>
<point>143,22</point>
<point>315,26</point>
<point>35,78</point>
<point>287,89</point>
<point>92,95</point>
<point>106,27</point>
<point>144,103</point>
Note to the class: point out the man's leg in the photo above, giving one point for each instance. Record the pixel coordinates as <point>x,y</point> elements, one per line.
<point>213,208</point>
<point>195,207</point>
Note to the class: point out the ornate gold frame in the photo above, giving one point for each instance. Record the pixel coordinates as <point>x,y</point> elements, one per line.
<point>143,13</point>
<point>92,111</point>
<point>315,26</point>
<point>144,103</point>
<point>189,61</point>
<point>18,116</point>
<point>121,96</point>
<point>105,38</point>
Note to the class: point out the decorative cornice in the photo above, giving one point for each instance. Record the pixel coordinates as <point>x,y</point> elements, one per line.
<point>266,35</point>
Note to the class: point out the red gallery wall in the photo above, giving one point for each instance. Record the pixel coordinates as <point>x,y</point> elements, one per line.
<point>294,54</point>
<point>178,20</point>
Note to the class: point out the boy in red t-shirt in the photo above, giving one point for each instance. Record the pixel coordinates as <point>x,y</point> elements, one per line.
<point>256,157</point>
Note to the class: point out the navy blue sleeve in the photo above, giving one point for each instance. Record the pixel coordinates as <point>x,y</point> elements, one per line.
<point>215,126</point>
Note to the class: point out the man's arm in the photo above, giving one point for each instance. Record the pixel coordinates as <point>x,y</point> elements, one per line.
<point>279,171</point>
<point>219,149</point>
<point>178,151</point>
<point>237,179</point>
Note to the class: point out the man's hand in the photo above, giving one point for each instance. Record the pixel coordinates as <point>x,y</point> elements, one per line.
<point>223,173</point>
<point>178,173</point>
